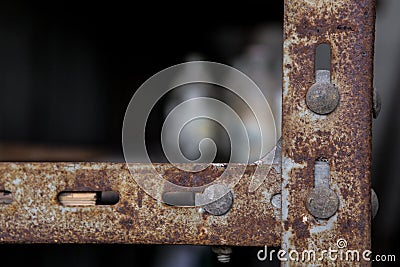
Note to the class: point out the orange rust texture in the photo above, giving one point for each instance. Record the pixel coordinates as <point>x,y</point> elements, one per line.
<point>36,216</point>
<point>343,137</point>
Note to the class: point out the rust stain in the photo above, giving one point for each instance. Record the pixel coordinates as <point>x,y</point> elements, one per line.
<point>203,233</point>
<point>343,137</point>
<point>190,179</point>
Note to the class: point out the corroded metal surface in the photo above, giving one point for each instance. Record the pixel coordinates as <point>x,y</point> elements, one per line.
<point>343,137</point>
<point>36,216</point>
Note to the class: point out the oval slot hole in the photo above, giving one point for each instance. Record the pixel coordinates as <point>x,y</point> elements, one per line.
<point>323,57</point>
<point>88,198</point>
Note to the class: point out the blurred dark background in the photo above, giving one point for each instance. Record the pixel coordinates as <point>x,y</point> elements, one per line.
<point>69,68</point>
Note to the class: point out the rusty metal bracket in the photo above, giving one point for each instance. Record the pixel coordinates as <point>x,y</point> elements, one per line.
<point>33,211</point>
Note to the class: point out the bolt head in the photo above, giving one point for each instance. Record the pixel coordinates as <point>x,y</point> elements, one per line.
<point>377,104</point>
<point>322,202</point>
<point>322,98</point>
<point>223,250</point>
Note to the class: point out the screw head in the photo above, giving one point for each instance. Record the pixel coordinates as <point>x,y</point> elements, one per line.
<point>322,98</point>
<point>223,253</point>
<point>322,202</point>
<point>219,206</point>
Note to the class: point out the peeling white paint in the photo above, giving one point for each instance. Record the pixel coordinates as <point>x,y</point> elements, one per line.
<point>287,166</point>
<point>70,168</point>
<point>328,225</point>
<point>17,181</point>
<point>306,113</point>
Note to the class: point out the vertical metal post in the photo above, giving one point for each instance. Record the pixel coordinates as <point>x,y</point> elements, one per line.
<point>343,137</point>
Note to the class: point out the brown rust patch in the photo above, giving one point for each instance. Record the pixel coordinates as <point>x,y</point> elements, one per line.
<point>203,232</point>
<point>190,179</point>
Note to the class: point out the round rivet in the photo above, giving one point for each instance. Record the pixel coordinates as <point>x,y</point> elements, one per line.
<point>322,98</point>
<point>322,202</point>
<point>219,206</point>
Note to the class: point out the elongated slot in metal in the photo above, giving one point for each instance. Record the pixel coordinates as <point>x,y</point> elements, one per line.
<point>5,197</point>
<point>322,172</point>
<point>182,199</point>
<point>81,199</point>
<point>322,58</point>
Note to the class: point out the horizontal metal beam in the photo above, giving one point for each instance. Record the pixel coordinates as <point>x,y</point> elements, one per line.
<point>35,215</point>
